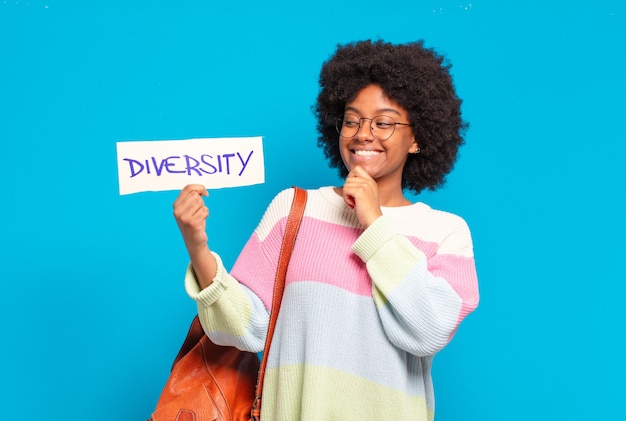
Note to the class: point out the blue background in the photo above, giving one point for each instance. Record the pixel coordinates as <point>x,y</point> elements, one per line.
<point>92,302</point>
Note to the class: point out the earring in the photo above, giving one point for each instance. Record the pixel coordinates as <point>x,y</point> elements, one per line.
<point>417,150</point>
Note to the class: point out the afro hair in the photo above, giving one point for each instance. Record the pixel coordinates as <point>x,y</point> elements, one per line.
<point>415,77</point>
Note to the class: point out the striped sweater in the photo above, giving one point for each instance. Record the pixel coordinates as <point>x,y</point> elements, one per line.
<point>363,312</point>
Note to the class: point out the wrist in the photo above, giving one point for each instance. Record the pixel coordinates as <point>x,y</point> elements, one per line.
<point>204,266</point>
<point>370,219</point>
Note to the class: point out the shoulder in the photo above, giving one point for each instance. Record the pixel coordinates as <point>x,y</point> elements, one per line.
<point>420,214</point>
<point>448,231</point>
<point>282,199</point>
<point>445,218</point>
<point>276,212</point>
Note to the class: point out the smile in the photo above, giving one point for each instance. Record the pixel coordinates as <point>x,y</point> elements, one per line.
<point>365,152</point>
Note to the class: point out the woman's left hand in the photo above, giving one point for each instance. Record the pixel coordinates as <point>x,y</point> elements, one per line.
<point>360,192</point>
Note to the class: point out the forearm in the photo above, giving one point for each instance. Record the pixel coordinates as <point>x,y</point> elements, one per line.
<point>204,266</point>
<point>416,295</point>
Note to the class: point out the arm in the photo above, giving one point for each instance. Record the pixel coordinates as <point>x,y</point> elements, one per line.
<point>191,214</point>
<point>231,313</point>
<point>225,308</point>
<point>421,300</point>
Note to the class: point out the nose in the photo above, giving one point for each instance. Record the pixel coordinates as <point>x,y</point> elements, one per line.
<point>365,134</point>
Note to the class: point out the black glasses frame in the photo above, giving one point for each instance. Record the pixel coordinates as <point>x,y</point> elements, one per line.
<point>340,122</point>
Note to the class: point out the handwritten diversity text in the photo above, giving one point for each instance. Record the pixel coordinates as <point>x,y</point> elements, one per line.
<point>172,164</point>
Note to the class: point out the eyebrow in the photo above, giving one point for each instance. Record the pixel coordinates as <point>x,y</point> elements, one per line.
<point>382,110</point>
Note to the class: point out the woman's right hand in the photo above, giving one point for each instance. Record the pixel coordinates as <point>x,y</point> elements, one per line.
<point>191,213</point>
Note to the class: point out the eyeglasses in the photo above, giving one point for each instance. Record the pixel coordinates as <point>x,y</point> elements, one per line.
<point>381,126</point>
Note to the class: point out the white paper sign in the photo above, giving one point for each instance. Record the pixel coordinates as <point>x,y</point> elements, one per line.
<point>172,164</point>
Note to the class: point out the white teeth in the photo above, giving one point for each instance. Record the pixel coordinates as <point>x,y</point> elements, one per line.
<point>366,153</point>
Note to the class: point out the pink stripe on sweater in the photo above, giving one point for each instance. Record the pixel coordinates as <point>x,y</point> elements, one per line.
<point>329,243</point>
<point>335,264</point>
<point>460,273</point>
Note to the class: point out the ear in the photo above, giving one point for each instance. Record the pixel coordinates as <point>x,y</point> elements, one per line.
<point>414,147</point>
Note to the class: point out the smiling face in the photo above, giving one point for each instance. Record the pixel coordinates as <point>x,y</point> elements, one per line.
<point>382,159</point>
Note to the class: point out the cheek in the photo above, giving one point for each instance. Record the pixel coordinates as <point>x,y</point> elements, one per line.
<point>345,156</point>
<point>344,152</point>
<point>409,142</point>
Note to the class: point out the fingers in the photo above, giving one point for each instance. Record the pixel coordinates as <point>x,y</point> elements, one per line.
<point>189,201</point>
<point>189,191</point>
<point>191,213</point>
<point>359,172</point>
<point>359,185</point>
<point>360,192</point>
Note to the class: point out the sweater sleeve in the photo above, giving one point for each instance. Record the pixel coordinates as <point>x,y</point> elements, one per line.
<point>421,301</point>
<point>229,312</point>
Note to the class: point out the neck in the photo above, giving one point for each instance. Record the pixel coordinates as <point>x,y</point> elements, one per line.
<point>390,192</point>
<point>386,199</point>
<point>392,199</point>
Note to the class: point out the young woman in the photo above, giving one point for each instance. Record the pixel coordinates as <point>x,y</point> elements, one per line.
<point>376,285</point>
